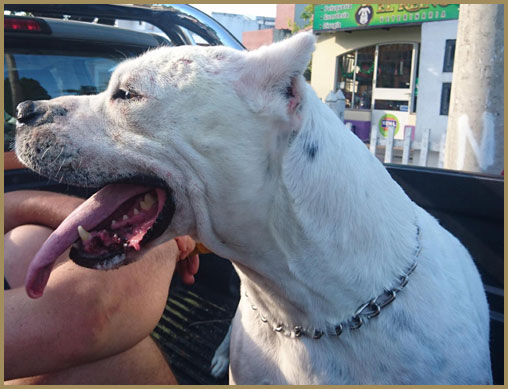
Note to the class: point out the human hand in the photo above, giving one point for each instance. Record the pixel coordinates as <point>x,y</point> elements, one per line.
<point>188,261</point>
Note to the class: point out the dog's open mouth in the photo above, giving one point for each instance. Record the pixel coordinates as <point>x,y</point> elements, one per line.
<point>106,230</point>
<point>135,222</point>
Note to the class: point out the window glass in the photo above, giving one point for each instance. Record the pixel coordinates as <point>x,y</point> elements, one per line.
<point>394,66</point>
<point>449,55</point>
<point>364,71</point>
<point>196,39</point>
<point>392,105</point>
<point>355,73</point>
<point>346,65</point>
<point>49,76</point>
<point>445,98</point>
<point>417,75</point>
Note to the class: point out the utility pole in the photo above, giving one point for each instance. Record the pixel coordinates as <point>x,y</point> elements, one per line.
<point>475,133</point>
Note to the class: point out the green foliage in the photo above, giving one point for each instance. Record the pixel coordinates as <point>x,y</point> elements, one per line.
<point>307,15</point>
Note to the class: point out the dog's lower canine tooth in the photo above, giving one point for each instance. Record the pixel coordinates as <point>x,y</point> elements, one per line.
<point>136,211</point>
<point>84,234</point>
<point>125,217</point>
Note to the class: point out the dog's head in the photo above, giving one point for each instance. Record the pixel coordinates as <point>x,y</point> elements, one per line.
<point>197,131</point>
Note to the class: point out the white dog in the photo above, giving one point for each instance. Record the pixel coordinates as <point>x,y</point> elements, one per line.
<point>259,170</point>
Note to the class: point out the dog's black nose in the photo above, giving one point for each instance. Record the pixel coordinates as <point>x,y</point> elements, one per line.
<point>25,111</point>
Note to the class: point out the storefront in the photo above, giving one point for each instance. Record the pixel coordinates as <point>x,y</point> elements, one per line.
<point>391,61</point>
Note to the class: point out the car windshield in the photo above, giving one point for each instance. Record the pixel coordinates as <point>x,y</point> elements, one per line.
<point>48,73</point>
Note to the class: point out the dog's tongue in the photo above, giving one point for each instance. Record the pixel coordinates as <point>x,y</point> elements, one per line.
<point>89,214</point>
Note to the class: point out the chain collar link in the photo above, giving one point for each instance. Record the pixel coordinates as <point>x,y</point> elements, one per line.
<point>364,312</point>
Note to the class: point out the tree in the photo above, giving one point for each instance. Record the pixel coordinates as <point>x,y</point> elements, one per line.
<point>307,15</point>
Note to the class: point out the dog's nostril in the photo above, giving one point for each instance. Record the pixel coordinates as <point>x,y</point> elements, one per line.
<point>25,111</point>
<point>60,111</point>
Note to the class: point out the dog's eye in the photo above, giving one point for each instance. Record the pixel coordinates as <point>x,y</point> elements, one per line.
<point>124,95</point>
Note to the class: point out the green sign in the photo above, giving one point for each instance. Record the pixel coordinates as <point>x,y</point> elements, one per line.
<point>336,17</point>
<point>388,120</point>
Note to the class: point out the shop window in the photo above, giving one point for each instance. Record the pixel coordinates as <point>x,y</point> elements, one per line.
<point>415,92</point>
<point>355,71</point>
<point>445,98</point>
<point>392,105</point>
<point>449,55</point>
<point>364,71</point>
<point>346,64</point>
<point>394,66</point>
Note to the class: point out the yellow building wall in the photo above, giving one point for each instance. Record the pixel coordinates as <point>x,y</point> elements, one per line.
<point>330,45</point>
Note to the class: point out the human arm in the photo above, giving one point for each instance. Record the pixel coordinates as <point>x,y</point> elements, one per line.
<point>37,207</point>
<point>86,315</point>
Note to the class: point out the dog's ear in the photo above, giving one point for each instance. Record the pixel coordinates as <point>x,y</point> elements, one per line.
<point>274,64</point>
<point>275,68</point>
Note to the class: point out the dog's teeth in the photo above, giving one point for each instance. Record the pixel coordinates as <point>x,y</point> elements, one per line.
<point>125,217</point>
<point>83,234</point>
<point>149,198</point>
<point>147,202</point>
<point>113,222</point>
<point>136,211</point>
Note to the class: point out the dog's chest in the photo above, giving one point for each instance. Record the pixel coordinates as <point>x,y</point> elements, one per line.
<point>382,352</point>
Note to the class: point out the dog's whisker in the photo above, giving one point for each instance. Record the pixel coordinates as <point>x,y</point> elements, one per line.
<point>44,153</point>
<point>60,168</point>
<point>59,154</point>
<point>56,159</point>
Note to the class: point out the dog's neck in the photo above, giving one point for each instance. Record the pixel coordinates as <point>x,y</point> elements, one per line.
<point>340,232</point>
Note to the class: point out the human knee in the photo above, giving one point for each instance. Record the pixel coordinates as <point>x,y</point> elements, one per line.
<point>20,246</point>
<point>27,237</point>
<point>92,326</point>
<point>119,308</point>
